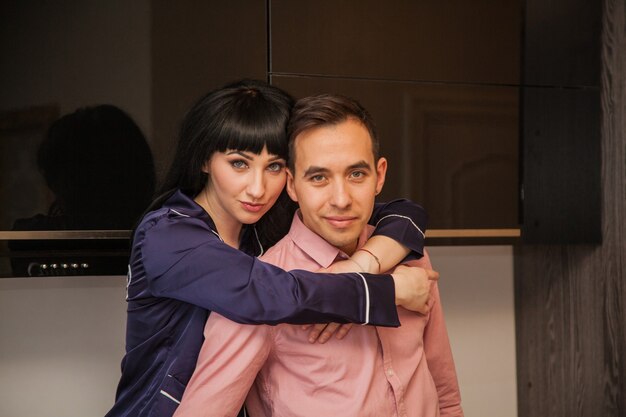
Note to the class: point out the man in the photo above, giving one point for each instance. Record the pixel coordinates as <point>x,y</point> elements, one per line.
<point>334,175</point>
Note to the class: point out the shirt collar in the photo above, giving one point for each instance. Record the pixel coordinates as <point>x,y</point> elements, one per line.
<point>322,252</point>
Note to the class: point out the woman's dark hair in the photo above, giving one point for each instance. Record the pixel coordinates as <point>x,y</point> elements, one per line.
<point>246,115</point>
<point>100,168</point>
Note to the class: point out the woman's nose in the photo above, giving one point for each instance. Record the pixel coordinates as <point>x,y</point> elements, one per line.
<point>256,186</point>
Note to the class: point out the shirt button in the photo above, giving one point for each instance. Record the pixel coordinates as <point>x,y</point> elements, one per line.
<point>390,372</point>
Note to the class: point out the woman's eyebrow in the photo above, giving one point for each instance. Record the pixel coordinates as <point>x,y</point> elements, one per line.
<point>276,158</point>
<point>249,156</point>
<point>240,153</point>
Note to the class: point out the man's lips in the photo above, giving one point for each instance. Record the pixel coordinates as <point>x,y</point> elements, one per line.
<point>340,222</point>
<point>252,207</point>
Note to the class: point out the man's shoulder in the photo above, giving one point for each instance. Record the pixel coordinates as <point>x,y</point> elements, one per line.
<point>284,246</point>
<point>288,255</point>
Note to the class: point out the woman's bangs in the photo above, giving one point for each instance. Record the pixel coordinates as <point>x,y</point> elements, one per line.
<point>254,137</point>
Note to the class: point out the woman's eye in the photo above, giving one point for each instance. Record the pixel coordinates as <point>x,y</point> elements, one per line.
<point>238,164</point>
<point>275,167</point>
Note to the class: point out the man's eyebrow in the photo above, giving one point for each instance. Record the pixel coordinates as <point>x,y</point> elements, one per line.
<point>315,170</point>
<point>360,165</point>
<point>321,170</point>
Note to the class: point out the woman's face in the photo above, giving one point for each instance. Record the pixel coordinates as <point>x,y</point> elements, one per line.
<point>242,185</point>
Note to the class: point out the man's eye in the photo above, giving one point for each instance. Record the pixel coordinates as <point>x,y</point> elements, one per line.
<point>317,178</point>
<point>275,167</point>
<point>358,174</point>
<point>238,164</point>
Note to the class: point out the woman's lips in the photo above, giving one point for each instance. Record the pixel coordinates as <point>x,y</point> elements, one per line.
<point>252,207</point>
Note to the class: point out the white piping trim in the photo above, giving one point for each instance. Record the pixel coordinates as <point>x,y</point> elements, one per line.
<point>129,277</point>
<point>402,217</point>
<point>367,300</point>
<point>170,397</point>
<point>258,240</point>
<point>216,234</point>
<point>181,214</point>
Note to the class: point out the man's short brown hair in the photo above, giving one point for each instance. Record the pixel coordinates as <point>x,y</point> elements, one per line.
<point>324,110</point>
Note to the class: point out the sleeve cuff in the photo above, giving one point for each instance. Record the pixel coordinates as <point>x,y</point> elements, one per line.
<point>380,300</point>
<point>404,230</point>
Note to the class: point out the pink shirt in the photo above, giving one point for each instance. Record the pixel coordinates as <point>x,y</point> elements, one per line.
<point>373,371</point>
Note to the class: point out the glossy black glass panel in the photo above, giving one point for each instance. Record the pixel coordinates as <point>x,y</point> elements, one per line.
<point>49,258</point>
<point>91,169</point>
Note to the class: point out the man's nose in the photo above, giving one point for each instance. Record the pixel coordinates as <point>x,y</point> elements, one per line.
<point>341,197</point>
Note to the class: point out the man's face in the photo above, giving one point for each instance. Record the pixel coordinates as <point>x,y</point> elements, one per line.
<point>335,181</point>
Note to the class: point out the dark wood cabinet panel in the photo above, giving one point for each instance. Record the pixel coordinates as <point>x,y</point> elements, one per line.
<point>561,165</point>
<point>473,42</point>
<point>452,148</point>
<point>562,42</point>
<point>570,300</point>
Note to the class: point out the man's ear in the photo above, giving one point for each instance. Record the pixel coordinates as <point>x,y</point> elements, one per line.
<point>291,190</point>
<point>381,171</point>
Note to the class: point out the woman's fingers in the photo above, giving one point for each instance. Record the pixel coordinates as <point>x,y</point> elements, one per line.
<point>321,333</point>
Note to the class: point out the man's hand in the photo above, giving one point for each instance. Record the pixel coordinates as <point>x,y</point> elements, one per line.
<point>413,287</point>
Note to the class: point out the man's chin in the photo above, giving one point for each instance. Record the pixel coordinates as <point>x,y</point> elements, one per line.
<point>341,242</point>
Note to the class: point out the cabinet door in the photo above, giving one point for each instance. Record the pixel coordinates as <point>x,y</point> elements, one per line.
<point>452,148</point>
<point>474,41</point>
<point>561,165</point>
<point>562,42</point>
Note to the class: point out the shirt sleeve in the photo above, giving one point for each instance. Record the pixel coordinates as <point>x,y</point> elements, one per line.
<point>403,221</point>
<point>439,355</point>
<point>229,361</point>
<point>181,258</point>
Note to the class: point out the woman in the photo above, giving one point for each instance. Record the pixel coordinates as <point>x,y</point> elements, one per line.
<point>228,171</point>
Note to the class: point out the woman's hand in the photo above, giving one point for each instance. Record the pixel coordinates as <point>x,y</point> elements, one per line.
<point>413,287</point>
<point>323,332</point>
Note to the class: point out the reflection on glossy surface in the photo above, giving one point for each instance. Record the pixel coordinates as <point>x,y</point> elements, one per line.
<point>99,170</point>
<point>452,148</point>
